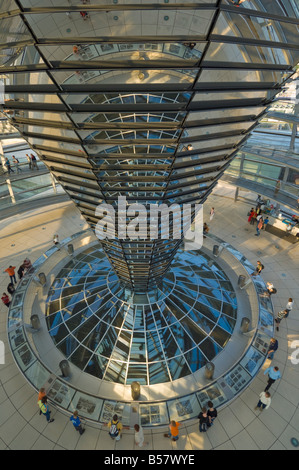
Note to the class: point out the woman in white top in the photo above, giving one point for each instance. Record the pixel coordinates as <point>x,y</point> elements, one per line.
<point>289,306</point>
<point>264,401</point>
<point>139,436</point>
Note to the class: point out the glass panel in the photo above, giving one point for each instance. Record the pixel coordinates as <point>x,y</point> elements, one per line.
<point>241,53</point>
<point>150,22</point>
<point>241,76</point>
<point>256,28</point>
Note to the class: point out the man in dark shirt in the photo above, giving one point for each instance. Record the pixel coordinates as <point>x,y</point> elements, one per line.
<point>273,346</point>
<point>212,413</point>
<point>204,420</point>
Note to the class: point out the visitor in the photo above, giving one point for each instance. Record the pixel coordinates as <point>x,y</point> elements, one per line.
<point>115,428</point>
<point>173,430</point>
<point>56,239</point>
<point>271,289</point>
<point>273,346</point>
<point>253,217</point>
<point>250,214</point>
<point>289,306</point>
<point>203,420</point>
<point>259,226</point>
<point>266,221</point>
<point>280,316</point>
<point>212,414</point>
<point>27,264</point>
<point>277,187</point>
<point>205,229</point>
<point>33,162</point>
<point>21,271</point>
<point>84,15</point>
<point>7,164</point>
<point>11,272</point>
<point>29,161</point>
<point>139,436</point>
<point>10,289</point>
<point>5,299</point>
<point>258,269</point>
<point>41,395</point>
<point>44,407</point>
<point>77,423</point>
<point>264,401</point>
<point>273,375</point>
<point>16,162</point>
<point>212,213</point>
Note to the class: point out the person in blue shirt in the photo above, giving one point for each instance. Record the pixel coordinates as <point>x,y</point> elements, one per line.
<point>266,221</point>
<point>273,375</point>
<point>77,423</point>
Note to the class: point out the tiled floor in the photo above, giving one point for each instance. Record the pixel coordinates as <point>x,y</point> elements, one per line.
<point>239,426</point>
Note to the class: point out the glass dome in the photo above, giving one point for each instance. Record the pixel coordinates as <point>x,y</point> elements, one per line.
<point>157,337</point>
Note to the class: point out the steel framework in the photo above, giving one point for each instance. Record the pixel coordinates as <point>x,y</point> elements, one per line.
<point>145,100</point>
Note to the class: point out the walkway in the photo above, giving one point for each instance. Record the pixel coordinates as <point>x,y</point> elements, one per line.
<point>239,426</point>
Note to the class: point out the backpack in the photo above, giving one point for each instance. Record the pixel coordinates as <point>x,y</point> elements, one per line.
<point>113,431</point>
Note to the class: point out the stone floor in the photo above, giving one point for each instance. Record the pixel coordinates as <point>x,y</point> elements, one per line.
<point>239,426</point>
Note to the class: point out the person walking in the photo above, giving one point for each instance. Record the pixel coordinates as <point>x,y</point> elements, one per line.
<point>10,289</point>
<point>44,407</point>
<point>273,346</point>
<point>20,271</point>
<point>84,15</point>
<point>173,430</point>
<point>205,229</point>
<point>27,264</point>
<point>266,221</point>
<point>77,423</point>
<point>115,428</point>
<point>203,420</point>
<point>212,213</point>
<point>33,162</point>
<point>212,414</point>
<point>258,269</point>
<point>259,226</point>
<point>264,401</point>
<point>7,164</point>
<point>250,215</point>
<point>277,187</point>
<point>280,316</point>
<point>56,239</point>
<point>41,395</point>
<point>271,289</point>
<point>139,436</point>
<point>289,306</point>
<point>17,163</point>
<point>5,299</point>
<point>253,217</point>
<point>29,161</point>
<point>11,272</point>
<point>273,375</point>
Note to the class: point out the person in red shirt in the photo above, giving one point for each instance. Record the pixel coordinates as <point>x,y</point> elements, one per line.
<point>11,272</point>
<point>5,299</point>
